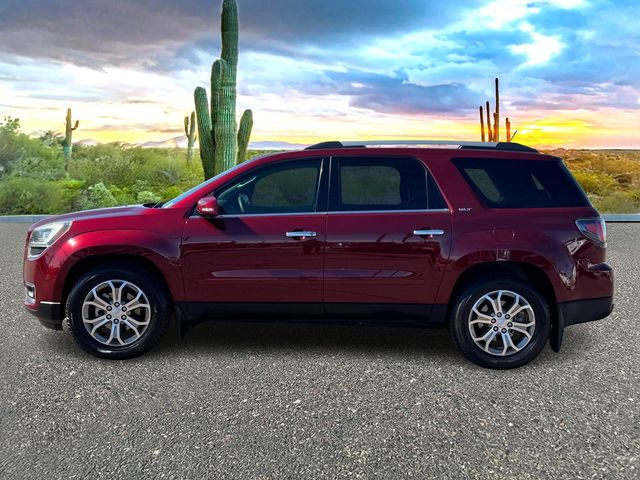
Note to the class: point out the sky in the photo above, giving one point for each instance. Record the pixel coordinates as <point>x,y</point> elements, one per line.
<point>316,70</point>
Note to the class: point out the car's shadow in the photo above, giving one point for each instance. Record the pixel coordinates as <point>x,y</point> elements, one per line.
<point>304,337</point>
<point>403,342</point>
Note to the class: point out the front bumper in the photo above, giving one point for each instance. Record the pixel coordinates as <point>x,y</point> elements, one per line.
<point>48,313</point>
<point>578,311</point>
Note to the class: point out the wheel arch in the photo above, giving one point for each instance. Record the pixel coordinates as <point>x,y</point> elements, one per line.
<point>521,270</point>
<point>90,262</point>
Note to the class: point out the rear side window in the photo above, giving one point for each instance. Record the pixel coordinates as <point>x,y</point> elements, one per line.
<point>522,183</point>
<point>377,183</point>
<point>370,185</point>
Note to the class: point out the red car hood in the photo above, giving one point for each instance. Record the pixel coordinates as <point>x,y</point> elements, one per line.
<point>92,214</point>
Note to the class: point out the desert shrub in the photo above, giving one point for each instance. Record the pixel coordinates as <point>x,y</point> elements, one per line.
<point>123,195</point>
<point>70,192</point>
<point>23,156</point>
<point>101,163</point>
<point>596,183</point>
<point>172,192</point>
<point>619,202</point>
<point>617,165</point>
<point>47,164</point>
<point>96,196</point>
<point>134,167</point>
<point>28,196</point>
<point>148,197</point>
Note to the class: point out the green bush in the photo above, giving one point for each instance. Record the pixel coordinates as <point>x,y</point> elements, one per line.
<point>29,196</point>
<point>148,197</point>
<point>96,196</point>
<point>70,192</point>
<point>596,183</point>
<point>619,202</point>
<point>44,165</point>
<point>33,180</point>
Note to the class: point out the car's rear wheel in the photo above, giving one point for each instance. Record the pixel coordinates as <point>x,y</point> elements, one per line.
<point>117,311</point>
<point>503,323</point>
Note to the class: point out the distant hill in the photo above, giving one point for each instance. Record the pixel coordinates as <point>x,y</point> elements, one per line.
<point>175,142</point>
<point>87,142</point>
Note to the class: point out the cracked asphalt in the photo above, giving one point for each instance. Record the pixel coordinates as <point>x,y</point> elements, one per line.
<point>271,401</point>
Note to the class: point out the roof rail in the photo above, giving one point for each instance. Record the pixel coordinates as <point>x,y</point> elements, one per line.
<point>509,146</point>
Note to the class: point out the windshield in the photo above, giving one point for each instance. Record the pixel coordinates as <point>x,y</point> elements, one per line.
<point>184,195</point>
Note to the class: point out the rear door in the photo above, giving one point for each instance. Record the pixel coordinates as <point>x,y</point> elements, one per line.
<point>388,233</point>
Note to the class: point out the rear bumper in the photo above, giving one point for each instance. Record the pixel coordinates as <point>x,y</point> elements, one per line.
<point>48,314</point>
<point>581,311</point>
<point>578,311</point>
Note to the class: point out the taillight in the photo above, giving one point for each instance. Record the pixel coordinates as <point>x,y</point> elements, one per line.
<point>594,229</point>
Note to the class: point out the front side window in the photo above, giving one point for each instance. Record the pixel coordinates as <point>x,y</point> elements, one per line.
<point>288,187</point>
<point>377,183</point>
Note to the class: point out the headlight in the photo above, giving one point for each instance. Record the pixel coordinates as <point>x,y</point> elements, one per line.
<point>45,236</point>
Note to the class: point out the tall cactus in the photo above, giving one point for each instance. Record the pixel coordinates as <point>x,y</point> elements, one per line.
<point>222,144</point>
<point>493,120</point>
<point>496,115</point>
<point>244,132</point>
<point>489,129</point>
<point>67,146</point>
<point>190,132</point>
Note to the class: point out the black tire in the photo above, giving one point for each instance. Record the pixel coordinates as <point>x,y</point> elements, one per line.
<point>460,316</point>
<point>156,294</point>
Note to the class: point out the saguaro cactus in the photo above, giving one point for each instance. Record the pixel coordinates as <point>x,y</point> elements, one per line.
<point>222,145</point>
<point>493,120</point>
<point>496,115</point>
<point>67,146</point>
<point>489,129</point>
<point>244,132</point>
<point>190,132</point>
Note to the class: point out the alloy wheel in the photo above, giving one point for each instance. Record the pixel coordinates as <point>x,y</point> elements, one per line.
<point>116,313</point>
<point>502,323</point>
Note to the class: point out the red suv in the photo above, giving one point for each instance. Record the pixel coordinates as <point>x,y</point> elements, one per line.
<point>494,241</point>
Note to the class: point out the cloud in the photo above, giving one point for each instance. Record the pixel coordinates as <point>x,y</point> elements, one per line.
<point>395,94</point>
<point>130,32</point>
<point>325,59</point>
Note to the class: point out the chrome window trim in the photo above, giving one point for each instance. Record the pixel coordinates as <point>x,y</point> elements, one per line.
<point>242,215</point>
<point>430,210</point>
<point>331,212</point>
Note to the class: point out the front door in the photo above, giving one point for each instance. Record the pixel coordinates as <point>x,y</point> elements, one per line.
<point>388,235</point>
<point>266,247</point>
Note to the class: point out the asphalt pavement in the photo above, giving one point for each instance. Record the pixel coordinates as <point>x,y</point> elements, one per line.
<point>276,401</point>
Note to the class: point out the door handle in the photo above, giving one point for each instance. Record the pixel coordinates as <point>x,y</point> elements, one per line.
<point>428,233</point>
<point>300,234</point>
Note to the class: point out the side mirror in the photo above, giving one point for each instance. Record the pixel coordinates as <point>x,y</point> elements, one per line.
<point>208,207</point>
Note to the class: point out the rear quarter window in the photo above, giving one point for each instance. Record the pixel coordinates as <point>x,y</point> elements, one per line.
<point>522,183</point>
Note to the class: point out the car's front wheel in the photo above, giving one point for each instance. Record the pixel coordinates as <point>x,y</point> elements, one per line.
<point>502,323</point>
<point>117,311</point>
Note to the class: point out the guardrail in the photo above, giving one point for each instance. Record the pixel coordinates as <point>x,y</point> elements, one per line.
<point>621,217</point>
<point>22,218</point>
<point>608,217</point>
